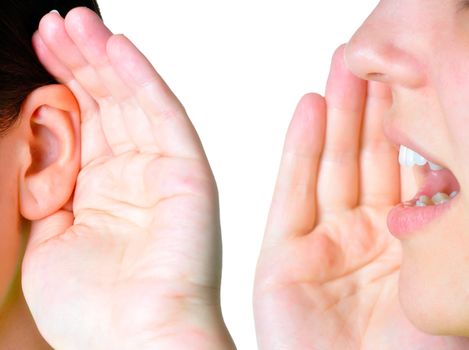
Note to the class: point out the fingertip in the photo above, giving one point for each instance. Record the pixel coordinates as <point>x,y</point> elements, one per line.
<point>54,14</point>
<point>130,62</point>
<point>338,58</point>
<point>310,110</point>
<point>306,131</point>
<point>344,89</point>
<point>114,44</point>
<point>311,105</point>
<point>89,34</point>
<point>117,49</point>
<point>39,47</point>
<point>37,42</point>
<point>77,15</point>
<point>81,20</point>
<point>121,52</point>
<point>48,59</point>
<point>49,25</point>
<point>338,64</point>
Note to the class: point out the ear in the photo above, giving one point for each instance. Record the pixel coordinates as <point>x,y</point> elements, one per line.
<point>50,129</point>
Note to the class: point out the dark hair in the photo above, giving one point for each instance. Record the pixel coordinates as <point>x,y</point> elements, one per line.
<point>20,70</point>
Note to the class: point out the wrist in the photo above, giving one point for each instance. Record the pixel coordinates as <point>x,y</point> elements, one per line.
<point>205,329</point>
<point>197,329</point>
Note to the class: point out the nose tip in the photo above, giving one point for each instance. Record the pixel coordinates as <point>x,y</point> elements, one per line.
<point>364,63</point>
<point>371,55</point>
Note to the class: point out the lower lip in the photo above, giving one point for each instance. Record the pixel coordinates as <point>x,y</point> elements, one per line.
<point>404,221</point>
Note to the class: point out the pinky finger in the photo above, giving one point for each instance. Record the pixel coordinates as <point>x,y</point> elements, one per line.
<point>293,210</point>
<point>173,131</point>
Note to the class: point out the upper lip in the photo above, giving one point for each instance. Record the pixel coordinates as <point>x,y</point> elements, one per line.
<point>398,137</point>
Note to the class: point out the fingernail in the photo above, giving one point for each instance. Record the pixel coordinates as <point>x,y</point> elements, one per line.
<point>55,11</point>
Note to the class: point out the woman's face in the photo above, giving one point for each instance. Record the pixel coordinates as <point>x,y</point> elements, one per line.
<point>421,49</point>
<point>10,234</point>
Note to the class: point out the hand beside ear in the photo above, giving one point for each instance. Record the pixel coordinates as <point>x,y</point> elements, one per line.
<point>138,264</point>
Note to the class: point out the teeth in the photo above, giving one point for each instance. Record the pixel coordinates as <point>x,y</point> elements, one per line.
<point>425,199</point>
<point>440,198</point>
<point>408,157</point>
<point>434,166</point>
<point>419,160</point>
<point>437,199</point>
<point>402,155</point>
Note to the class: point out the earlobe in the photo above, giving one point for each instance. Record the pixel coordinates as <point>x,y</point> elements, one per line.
<point>50,125</point>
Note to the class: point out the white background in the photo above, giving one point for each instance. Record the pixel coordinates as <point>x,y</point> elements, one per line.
<point>240,67</point>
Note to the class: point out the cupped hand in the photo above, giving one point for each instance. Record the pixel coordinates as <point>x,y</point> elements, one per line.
<point>136,263</point>
<point>327,276</point>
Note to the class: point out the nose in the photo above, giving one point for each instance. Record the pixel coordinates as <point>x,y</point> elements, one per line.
<point>381,49</point>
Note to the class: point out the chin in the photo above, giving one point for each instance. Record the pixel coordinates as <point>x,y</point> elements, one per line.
<point>429,302</point>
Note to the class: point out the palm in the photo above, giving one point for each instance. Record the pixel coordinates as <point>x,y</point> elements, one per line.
<point>327,276</point>
<point>129,271</point>
<point>169,208</point>
<point>137,264</point>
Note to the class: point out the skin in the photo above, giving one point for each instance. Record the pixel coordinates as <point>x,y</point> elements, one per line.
<point>351,300</point>
<point>13,309</point>
<point>10,216</point>
<point>330,276</point>
<point>125,252</point>
<point>428,68</point>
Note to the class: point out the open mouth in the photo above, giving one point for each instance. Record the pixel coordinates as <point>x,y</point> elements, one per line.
<point>438,189</point>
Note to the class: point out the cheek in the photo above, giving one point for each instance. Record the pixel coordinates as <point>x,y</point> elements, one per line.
<point>434,287</point>
<point>10,235</point>
<point>10,239</point>
<point>10,247</point>
<point>453,94</point>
